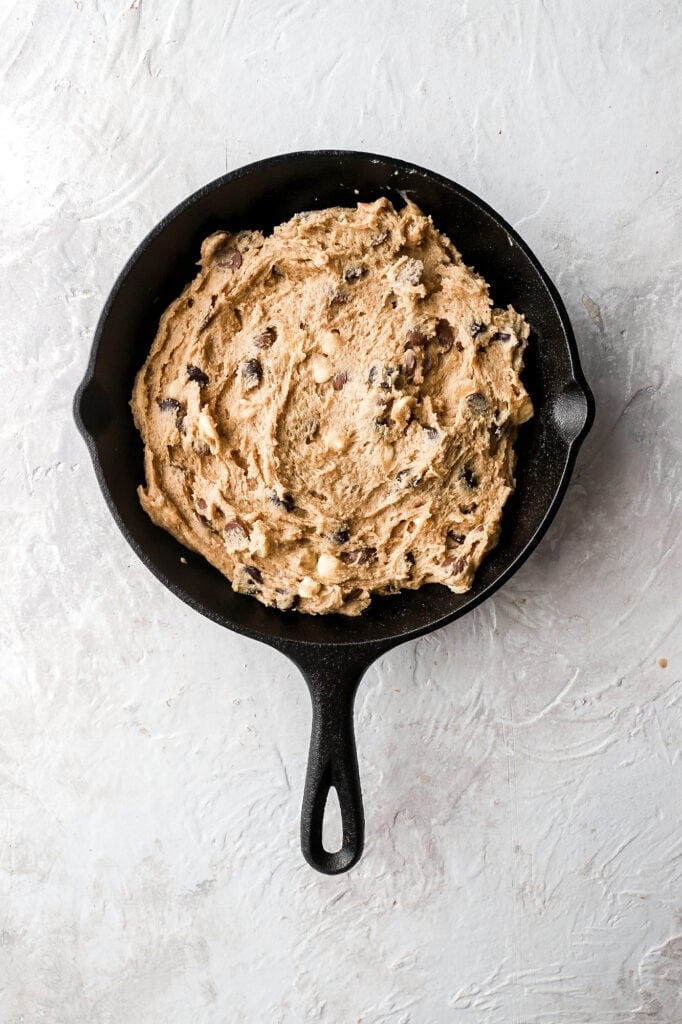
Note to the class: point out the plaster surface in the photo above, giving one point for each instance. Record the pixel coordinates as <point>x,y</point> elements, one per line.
<point>521,768</point>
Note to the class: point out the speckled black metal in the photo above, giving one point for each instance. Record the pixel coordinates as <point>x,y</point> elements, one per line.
<point>333,651</point>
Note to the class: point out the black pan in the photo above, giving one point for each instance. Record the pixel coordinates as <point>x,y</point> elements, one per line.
<point>333,652</point>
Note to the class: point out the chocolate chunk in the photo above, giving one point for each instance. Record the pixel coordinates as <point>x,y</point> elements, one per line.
<point>266,339</point>
<point>454,538</point>
<point>477,403</point>
<point>234,530</point>
<point>201,504</point>
<point>444,336</point>
<point>454,564</point>
<point>501,336</point>
<point>228,258</point>
<point>410,364</point>
<point>284,500</point>
<point>195,374</point>
<point>469,478</point>
<point>340,536</point>
<point>338,380</point>
<point>252,373</point>
<point>415,337</point>
<point>253,573</point>
<point>477,328</point>
<point>359,556</point>
<point>354,272</point>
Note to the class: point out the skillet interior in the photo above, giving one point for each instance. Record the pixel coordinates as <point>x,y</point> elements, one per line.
<point>260,196</point>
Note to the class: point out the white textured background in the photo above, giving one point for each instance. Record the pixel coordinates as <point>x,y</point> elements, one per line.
<point>521,768</point>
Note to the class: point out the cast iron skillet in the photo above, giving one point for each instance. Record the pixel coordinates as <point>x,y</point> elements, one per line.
<point>333,652</point>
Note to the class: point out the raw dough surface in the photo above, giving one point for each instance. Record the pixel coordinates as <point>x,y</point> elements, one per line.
<point>331,411</point>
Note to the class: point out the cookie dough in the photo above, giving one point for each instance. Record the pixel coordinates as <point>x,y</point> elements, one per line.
<point>330,411</point>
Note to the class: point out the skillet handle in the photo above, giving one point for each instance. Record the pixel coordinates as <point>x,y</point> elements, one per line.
<point>332,763</point>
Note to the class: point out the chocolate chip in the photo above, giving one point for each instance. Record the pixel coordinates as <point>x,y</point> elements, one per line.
<point>354,272</point>
<point>500,336</point>
<point>477,327</point>
<point>469,478</point>
<point>410,364</point>
<point>284,501</point>
<point>409,560</point>
<point>266,339</point>
<point>338,380</point>
<point>195,374</point>
<point>415,337</point>
<point>201,504</point>
<point>444,336</point>
<point>234,530</point>
<point>454,538</point>
<point>454,564</point>
<point>168,404</point>
<point>252,373</point>
<point>340,536</point>
<point>228,258</point>
<point>359,556</point>
<point>477,403</point>
<point>431,433</point>
<point>373,374</point>
<point>253,573</point>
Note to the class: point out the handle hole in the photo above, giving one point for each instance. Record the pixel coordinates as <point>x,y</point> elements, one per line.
<point>332,824</point>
